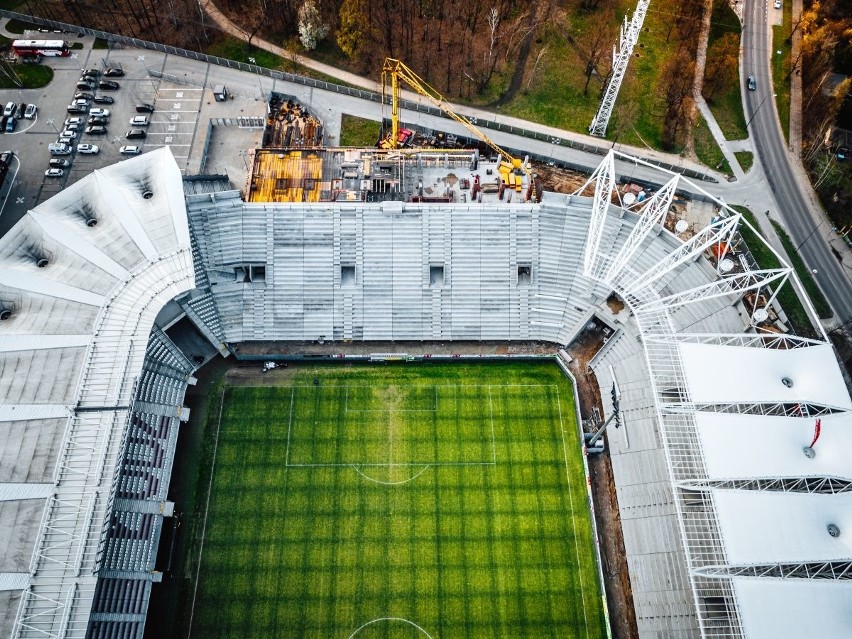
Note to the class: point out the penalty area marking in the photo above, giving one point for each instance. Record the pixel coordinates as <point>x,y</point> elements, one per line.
<point>390,483</point>
<point>410,623</point>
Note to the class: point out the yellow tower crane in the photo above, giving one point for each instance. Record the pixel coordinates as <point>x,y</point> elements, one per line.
<point>510,169</point>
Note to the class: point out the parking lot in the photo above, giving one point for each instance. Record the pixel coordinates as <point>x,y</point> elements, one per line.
<point>174,121</point>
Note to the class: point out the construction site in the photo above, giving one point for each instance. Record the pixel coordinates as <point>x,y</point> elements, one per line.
<point>407,164</point>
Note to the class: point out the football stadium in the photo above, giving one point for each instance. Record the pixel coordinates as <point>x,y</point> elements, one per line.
<point>396,447</point>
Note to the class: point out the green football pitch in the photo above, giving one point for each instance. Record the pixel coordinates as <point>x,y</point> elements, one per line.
<point>399,501</point>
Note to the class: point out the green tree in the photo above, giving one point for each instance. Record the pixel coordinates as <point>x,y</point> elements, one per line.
<point>720,71</point>
<point>350,34</point>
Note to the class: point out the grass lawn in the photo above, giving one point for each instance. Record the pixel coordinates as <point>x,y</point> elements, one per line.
<point>727,106</point>
<point>766,259</point>
<point>33,76</point>
<point>379,497</point>
<point>555,96</point>
<point>355,131</point>
<point>821,305</point>
<point>745,159</point>
<point>16,26</point>
<point>781,68</point>
<point>707,150</point>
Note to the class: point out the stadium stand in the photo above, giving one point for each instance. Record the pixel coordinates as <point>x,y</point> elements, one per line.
<point>108,288</point>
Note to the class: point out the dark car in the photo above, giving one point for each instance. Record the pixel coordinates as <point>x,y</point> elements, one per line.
<point>12,122</point>
<point>92,73</point>
<point>97,120</point>
<point>19,112</point>
<point>144,108</point>
<point>96,130</point>
<point>86,86</point>
<point>6,157</point>
<point>752,83</point>
<point>113,73</point>
<point>103,99</point>
<point>75,109</point>
<point>135,133</point>
<point>108,85</point>
<point>3,121</point>
<point>83,95</point>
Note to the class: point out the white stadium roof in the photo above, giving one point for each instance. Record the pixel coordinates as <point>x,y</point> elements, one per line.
<point>732,374</point>
<point>758,446</point>
<point>770,609</point>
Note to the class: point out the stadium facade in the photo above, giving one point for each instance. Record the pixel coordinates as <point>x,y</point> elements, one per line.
<point>735,521</point>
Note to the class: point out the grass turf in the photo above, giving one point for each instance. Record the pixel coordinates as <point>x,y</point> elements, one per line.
<point>450,497</point>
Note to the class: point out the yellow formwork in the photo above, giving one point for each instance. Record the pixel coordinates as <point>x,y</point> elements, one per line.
<point>286,176</point>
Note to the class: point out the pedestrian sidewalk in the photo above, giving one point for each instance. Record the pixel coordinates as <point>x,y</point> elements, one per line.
<point>720,138</point>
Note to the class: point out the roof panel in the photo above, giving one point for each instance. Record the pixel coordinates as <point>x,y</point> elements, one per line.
<point>751,446</point>
<point>770,609</point>
<point>717,373</point>
<point>762,527</point>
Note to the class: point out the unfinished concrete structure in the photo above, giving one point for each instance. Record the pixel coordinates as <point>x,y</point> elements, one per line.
<point>724,514</point>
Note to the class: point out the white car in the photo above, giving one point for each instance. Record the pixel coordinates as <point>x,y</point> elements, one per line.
<point>130,150</point>
<point>10,109</point>
<point>104,113</point>
<point>54,173</point>
<point>30,111</point>
<point>139,120</point>
<point>88,149</point>
<point>777,4</point>
<point>73,122</point>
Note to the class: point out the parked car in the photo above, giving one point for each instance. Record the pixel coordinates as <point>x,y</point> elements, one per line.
<point>3,120</point>
<point>752,83</point>
<point>31,111</point>
<point>96,129</point>
<point>104,99</point>
<point>72,126</point>
<point>113,72</point>
<point>73,121</point>
<point>10,124</point>
<point>54,173</point>
<point>92,73</point>
<point>108,85</point>
<point>139,120</point>
<point>130,150</point>
<point>57,163</point>
<point>6,157</point>
<point>85,86</point>
<point>20,110</point>
<point>88,149</point>
<point>104,113</point>
<point>777,4</point>
<point>135,133</point>
<point>80,102</point>
<point>94,119</point>
<point>67,135</point>
<point>76,109</point>
<point>144,108</point>
<point>83,95</point>
<point>9,109</point>
<point>59,148</point>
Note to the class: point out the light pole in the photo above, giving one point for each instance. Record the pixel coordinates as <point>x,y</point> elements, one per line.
<point>51,121</point>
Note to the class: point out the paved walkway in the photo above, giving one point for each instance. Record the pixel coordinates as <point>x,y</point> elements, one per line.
<point>716,130</point>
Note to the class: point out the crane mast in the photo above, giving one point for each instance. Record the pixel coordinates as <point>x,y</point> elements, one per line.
<point>510,168</point>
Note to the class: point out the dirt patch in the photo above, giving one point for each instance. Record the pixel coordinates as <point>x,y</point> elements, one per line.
<point>619,595</point>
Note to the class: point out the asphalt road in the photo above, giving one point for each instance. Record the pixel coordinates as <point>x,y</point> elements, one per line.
<point>793,208</point>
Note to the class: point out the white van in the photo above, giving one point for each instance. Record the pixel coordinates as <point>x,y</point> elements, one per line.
<point>139,120</point>
<point>59,148</point>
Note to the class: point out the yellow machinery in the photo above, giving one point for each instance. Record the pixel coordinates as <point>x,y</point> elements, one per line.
<point>510,169</point>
